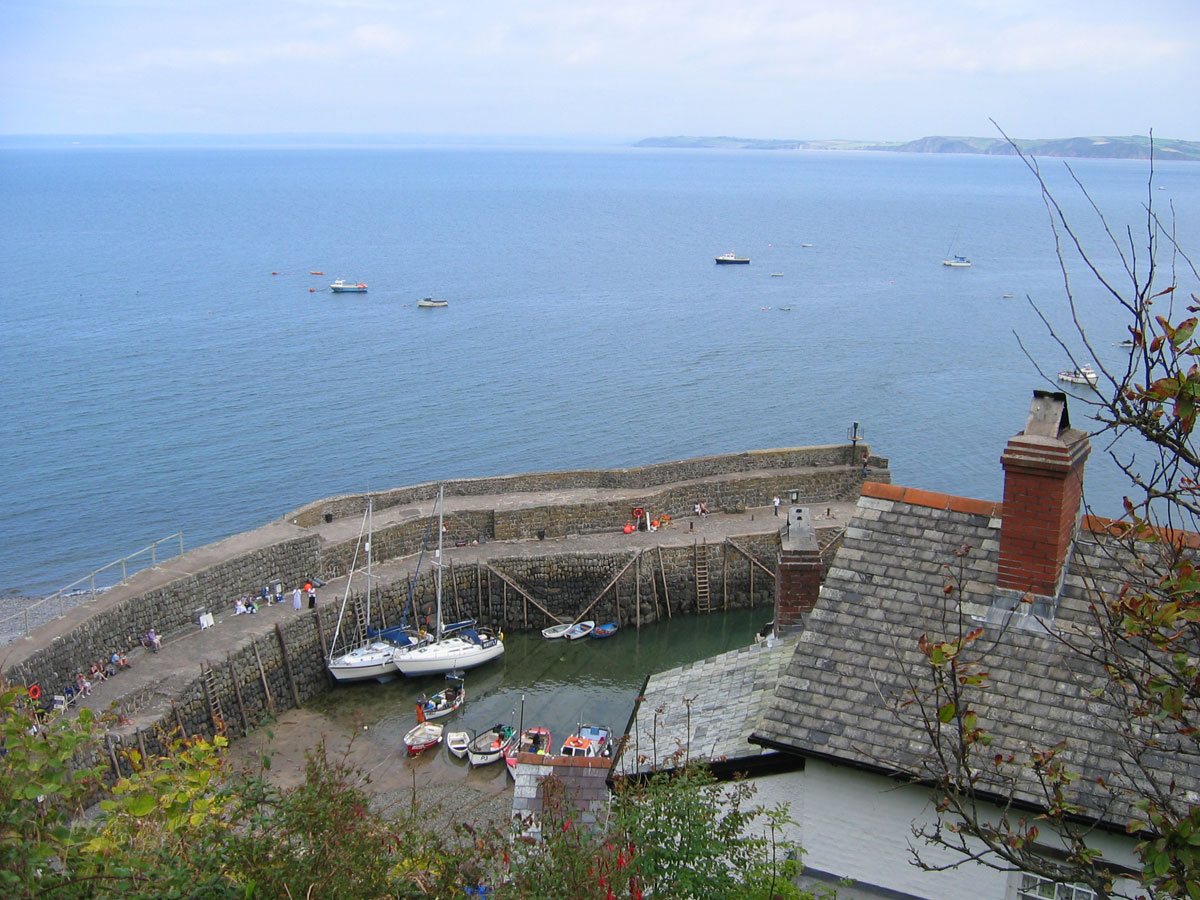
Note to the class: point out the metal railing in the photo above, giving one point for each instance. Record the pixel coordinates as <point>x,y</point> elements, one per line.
<point>66,594</point>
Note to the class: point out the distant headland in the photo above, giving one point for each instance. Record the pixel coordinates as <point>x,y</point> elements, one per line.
<point>1133,147</point>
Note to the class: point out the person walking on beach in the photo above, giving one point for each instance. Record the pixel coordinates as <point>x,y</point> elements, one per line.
<point>296,599</point>
<point>776,502</point>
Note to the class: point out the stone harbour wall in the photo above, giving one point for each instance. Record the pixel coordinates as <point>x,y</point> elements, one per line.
<point>641,477</point>
<point>169,610</point>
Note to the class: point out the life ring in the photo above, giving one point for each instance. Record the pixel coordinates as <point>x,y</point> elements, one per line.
<point>34,692</point>
<point>638,512</point>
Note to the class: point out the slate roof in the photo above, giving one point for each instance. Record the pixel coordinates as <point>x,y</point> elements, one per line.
<point>838,698</point>
<point>728,695</point>
<point>584,780</point>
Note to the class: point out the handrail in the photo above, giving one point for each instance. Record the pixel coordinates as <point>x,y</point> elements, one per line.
<point>62,593</point>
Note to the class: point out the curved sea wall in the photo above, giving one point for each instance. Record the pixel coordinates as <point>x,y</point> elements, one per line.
<point>284,667</point>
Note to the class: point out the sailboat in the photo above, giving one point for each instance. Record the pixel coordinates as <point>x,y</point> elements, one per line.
<point>360,657</point>
<point>460,645</point>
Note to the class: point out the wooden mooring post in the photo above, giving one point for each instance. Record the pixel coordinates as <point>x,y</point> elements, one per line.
<point>237,693</point>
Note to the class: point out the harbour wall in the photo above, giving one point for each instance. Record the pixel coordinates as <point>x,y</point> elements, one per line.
<point>285,667</point>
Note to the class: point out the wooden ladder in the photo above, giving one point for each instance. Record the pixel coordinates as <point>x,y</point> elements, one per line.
<point>700,564</point>
<point>214,698</point>
<point>359,605</point>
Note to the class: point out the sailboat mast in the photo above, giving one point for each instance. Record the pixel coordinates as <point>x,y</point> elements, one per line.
<point>370,533</point>
<point>438,565</point>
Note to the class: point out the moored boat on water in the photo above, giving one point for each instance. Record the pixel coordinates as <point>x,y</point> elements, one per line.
<point>489,746</point>
<point>556,631</point>
<point>731,259</point>
<point>1085,374</point>
<point>457,742</point>
<point>608,629</point>
<point>589,740</point>
<point>341,286</point>
<point>957,262</point>
<point>580,630</point>
<point>445,701</point>
<point>534,739</point>
<point>431,303</point>
<point>422,737</point>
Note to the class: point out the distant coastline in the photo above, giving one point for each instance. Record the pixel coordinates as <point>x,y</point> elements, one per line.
<point>1133,147</point>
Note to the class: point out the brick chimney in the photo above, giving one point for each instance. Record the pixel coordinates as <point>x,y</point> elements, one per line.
<point>798,574</point>
<point>1043,490</point>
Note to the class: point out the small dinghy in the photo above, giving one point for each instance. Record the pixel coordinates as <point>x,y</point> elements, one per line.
<point>608,629</point>
<point>580,629</point>
<point>457,743</point>
<point>556,631</point>
<point>422,737</point>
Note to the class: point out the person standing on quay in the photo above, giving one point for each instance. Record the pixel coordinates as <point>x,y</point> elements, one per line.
<point>776,502</point>
<point>296,599</point>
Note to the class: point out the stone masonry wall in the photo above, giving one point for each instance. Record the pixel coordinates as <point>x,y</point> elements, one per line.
<point>169,610</point>
<point>827,456</point>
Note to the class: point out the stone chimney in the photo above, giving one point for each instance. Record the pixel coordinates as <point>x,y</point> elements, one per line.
<point>1043,490</point>
<point>798,574</point>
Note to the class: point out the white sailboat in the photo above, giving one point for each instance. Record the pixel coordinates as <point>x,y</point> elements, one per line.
<point>360,657</point>
<point>457,646</point>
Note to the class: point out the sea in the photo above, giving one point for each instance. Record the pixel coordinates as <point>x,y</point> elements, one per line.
<point>170,363</point>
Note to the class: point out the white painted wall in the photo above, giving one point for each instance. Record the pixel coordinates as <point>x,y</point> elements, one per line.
<point>858,825</point>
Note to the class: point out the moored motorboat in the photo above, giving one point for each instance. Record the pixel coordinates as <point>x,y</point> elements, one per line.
<point>430,303</point>
<point>957,262</point>
<point>457,742</point>
<point>579,630</point>
<point>423,736</point>
<point>556,631</point>
<point>589,740</point>
<point>341,286</point>
<point>608,629</point>
<point>1085,374</point>
<point>445,701</point>
<point>532,740</point>
<point>489,746</point>
<point>731,259</point>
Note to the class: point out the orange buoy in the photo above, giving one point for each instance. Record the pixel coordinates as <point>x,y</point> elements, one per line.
<point>34,692</point>
<point>312,290</point>
<point>629,529</point>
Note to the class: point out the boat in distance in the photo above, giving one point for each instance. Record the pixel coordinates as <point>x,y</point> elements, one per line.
<point>957,262</point>
<point>731,259</point>
<point>431,303</point>
<point>342,286</point>
<point>1085,374</point>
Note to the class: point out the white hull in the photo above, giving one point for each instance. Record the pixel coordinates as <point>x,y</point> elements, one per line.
<point>456,743</point>
<point>556,631</point>
<point>488,748</point>
<point>365,663</point>
<point>444,656</point>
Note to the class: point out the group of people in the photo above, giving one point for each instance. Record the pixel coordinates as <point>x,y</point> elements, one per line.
<point>701,509</point>
<point>247,604</point>
<point>97,672</point>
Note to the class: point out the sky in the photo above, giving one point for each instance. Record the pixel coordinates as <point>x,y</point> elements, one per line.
<point>618,70</point>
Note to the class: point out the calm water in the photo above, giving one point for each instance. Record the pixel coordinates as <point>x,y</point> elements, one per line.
<point>560,683</point>
<point>157,376</point>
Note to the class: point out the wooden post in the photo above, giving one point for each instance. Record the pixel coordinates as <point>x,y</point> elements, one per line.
<point>504,606</point>
<point>637,593</point>
<point>524,612</point>
<point>321,635</point>
<point>617,595</point>
<point>666,590</point>
<point>479,590</point>
<point>237,692</point>
<point>454,584</point>
<point>263,674</point>
<point>179,719</point>
<point>654,588</point>
<point>287,665</point>
<point>112,754</point>
<point>725,575</point>
<point>142,746</point>
<point>752,585</point>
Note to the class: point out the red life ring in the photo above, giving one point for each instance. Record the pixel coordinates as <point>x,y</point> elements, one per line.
<point>34,692</point>
<point>638,512</point>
